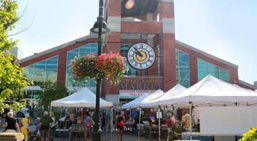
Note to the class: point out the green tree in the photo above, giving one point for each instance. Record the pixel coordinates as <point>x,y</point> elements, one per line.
<point>8,17</point>
<point>11,78</point>
<point>51,91</point>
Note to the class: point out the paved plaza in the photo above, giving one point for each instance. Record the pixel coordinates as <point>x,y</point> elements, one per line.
<point>104,137</point>
<point>107,137</point>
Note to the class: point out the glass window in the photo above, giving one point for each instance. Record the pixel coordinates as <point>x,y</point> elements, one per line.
<point>81,51</point>
<point>182,68</point>
<point>205,68</point>
<point>42,71</point>
<point>123,51</point>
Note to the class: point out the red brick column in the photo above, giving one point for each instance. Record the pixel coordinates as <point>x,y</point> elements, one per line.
<point>113,17</point>
<point>168,60</point>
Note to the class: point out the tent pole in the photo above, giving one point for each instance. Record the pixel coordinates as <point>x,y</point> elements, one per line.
<point>111,122</point>
<point>130,113</point>
<point>130,119</point>
<point>159,120</point>
<point>61,123</point>
<point>190,113</point>
<point>139,121</point>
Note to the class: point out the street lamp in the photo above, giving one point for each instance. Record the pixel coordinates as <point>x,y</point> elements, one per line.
<point>99,27</point>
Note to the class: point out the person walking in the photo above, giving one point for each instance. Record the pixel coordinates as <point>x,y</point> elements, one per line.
<point>120,125</point>
<point>11,124</point>
<point>103,122</point>
<point>52,128</point>
<point>25,126</point>
<point>169,123</point>
<point>45,123</point>
<point>88,123</point>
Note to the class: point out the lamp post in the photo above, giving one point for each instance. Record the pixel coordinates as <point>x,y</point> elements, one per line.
<point>99,27</point>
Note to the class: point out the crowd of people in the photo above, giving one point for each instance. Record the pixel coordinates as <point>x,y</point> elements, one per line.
<point>45,124</point>
<point>42,125</point>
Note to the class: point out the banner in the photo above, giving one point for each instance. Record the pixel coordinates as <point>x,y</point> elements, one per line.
<point>132,94</point>
<point>227,120</point>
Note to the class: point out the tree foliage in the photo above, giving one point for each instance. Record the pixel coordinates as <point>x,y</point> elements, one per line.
<point>11,78</point>
<point>8,17</point>
<point>51,91</point>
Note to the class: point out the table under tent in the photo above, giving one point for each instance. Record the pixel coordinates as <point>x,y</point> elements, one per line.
<point>210,94</point>
<point>151,101</point>
<point>221,102</point>
<point>82,99</point>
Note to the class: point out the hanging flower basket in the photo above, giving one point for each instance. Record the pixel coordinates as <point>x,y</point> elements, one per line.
<point>99,67</point>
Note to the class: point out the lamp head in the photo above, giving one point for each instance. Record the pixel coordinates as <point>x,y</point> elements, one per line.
<point>95,28</point>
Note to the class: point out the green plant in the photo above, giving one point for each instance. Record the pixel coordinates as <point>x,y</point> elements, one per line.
<point>251,135</point>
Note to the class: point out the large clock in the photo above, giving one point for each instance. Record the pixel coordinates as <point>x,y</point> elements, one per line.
<point>141,56</point>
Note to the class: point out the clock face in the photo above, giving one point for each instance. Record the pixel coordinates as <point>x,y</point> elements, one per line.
<point>141,56</point>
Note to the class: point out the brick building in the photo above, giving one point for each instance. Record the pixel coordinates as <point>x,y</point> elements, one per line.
<point>147,21</point>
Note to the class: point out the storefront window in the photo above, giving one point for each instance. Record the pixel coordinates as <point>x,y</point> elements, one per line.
<point>42,71</point>
<point>205,68</point>
<point>84,50</point>
<point>182,68</point>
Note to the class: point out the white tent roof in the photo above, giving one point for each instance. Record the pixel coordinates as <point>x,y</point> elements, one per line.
<point>83,98</point>
<point>154,96</point>
<point>165,98</point>
<point>133,103</point>
<point>212,90</point>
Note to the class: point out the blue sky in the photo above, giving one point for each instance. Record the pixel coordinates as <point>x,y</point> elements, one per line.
<point>224,28</point>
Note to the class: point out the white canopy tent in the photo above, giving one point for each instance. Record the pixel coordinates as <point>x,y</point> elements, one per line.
<point>212,91</point>
<point>154,96</point>
<point>134,102</point>
<point>83,98</point>
<point>165,98</point>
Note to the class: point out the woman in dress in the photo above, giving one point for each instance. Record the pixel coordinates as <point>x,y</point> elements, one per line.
<point>119,125</point>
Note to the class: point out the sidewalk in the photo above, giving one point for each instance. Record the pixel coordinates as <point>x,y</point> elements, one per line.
<point>107,137</point>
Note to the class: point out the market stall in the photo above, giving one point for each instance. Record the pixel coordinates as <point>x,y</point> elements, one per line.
<point>213,92</point>
<point>165,98</point>
<point>82,99</point>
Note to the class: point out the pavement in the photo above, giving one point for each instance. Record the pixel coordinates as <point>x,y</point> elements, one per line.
<point>107,137</point>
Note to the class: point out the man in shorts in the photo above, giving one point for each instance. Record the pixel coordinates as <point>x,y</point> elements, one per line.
<point>44,126</point>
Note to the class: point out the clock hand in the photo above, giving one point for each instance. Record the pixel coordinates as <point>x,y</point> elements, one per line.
<point>138,53</point>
